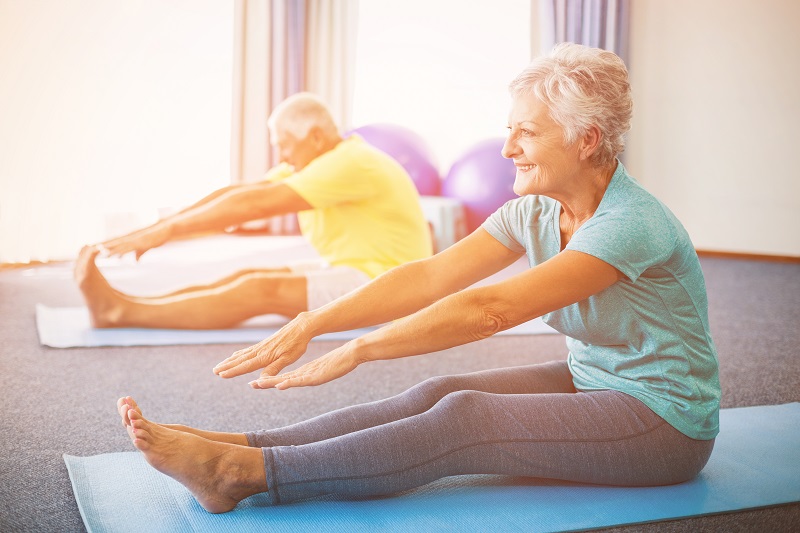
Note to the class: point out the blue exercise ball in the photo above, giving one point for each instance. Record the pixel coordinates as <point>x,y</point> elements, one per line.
<point>482,179</point>
<point>408,149</point>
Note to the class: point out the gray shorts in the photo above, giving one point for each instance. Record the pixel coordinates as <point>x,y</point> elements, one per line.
<point>326,283</point>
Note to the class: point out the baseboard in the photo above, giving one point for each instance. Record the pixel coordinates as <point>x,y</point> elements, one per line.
<point>11,266</point>
<point>756,257</point>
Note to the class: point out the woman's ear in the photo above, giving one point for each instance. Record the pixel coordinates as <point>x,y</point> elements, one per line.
<point>590,142</point>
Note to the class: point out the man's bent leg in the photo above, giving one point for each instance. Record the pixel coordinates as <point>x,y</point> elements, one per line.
<point>228,279</point>
<point>217,306</point>
<point>325,283</point>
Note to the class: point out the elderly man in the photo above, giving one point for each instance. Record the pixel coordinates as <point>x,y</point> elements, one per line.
<point>357,207</point>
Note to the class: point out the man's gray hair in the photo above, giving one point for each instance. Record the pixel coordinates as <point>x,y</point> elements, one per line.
<point>299,113</point>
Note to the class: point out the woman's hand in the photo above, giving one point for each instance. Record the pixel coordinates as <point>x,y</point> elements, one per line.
<point>139,241</point>
<point>272,354</point>
<point>330,366</point>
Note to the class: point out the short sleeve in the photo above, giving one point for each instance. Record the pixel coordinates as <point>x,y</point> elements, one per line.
<point>630,240</point>
<point>336,177</point>
<point>278,173</point>
<point>506,224</point>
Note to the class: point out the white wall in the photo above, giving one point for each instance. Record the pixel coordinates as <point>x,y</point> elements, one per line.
<point>715,135</point>
<point>104,107</point>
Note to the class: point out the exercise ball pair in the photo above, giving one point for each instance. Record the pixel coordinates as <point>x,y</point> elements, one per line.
<point>481,179</point>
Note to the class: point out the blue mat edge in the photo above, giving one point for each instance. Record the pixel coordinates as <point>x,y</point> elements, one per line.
<point>71,465</point>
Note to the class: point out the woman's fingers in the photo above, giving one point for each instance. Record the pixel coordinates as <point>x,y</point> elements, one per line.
<point>272,354</point>
<point>327,368</point>
<point>231,367</point>
<point>251,359</point>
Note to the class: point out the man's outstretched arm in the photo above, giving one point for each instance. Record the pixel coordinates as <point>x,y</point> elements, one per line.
<point>220,210</point>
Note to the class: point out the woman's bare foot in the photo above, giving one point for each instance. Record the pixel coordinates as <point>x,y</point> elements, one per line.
<point>218,474</point>
<point>127,403</point>
<point>105,304</point>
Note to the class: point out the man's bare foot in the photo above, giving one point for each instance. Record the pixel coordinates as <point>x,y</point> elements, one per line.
<point>218,474</point>
<point>127,403</point>
<point>104,303</point>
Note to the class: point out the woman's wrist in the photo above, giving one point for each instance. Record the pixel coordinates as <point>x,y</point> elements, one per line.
<point>360,348</point>
<point>309,324</point>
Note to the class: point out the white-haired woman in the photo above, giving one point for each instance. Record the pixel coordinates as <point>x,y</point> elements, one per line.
<point>635,403</point>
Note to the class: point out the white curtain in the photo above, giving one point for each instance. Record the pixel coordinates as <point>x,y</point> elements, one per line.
<point>597,23</point>
<point>331,48</point>
<point>282,47</point>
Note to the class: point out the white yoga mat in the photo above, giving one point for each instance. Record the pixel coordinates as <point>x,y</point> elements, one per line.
<point>69,327</point>
<point>191,262</point>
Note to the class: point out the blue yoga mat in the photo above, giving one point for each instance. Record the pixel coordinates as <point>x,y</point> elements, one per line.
<point>755,463</point>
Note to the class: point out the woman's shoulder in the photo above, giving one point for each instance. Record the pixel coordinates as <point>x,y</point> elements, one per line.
<point>530,206</point>
<point>628,202</point>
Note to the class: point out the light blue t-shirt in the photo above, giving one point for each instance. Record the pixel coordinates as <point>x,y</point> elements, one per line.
<point>647,335</point>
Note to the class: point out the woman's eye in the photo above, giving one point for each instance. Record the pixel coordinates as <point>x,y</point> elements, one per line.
<point>526,133</point>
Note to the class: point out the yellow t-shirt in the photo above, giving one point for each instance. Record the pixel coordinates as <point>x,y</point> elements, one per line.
<point>366,208</point>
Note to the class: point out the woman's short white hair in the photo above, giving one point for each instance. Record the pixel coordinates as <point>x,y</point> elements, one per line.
<point>299,113</point>
<point>582,87</point>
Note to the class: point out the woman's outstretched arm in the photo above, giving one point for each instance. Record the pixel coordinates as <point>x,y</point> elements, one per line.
<point>395,294</point>
<point>462,317</point>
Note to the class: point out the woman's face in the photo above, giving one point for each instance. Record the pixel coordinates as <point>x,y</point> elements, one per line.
<point>536,145</point>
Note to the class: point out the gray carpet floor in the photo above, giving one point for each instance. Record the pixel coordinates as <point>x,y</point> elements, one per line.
<point>56,401</point>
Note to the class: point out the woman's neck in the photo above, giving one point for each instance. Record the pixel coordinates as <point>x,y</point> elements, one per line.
<point>591,185</point>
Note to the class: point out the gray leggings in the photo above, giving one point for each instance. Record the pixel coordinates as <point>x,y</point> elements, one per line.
<point>523,421</point>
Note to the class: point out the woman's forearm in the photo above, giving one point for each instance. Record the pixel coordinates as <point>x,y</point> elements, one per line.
<point>406,289</point>
<point>399,292</point>
<point>459,319</point>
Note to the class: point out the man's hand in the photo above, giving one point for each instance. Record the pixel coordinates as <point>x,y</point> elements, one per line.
<point>139,241</point>
<point>272,354</point>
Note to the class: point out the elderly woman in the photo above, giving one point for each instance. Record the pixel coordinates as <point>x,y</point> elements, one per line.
<point>635,403</point>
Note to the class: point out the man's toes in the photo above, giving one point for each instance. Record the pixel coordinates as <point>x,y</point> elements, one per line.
<point>88,253</point>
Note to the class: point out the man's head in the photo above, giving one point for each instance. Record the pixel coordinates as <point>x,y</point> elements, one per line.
<point>302,129</point>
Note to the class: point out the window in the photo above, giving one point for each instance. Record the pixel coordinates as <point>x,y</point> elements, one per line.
<point>110,110</point>
<point>440,68</point>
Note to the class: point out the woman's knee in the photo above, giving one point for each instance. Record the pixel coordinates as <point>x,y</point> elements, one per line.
<point>462,403</point>
<point>436,388</point>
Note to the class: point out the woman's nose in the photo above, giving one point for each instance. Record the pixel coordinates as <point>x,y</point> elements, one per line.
<point>510,147</point>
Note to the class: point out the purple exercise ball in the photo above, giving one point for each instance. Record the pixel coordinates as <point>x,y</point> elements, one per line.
<point>408,149</point>
<point>482,180</point>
